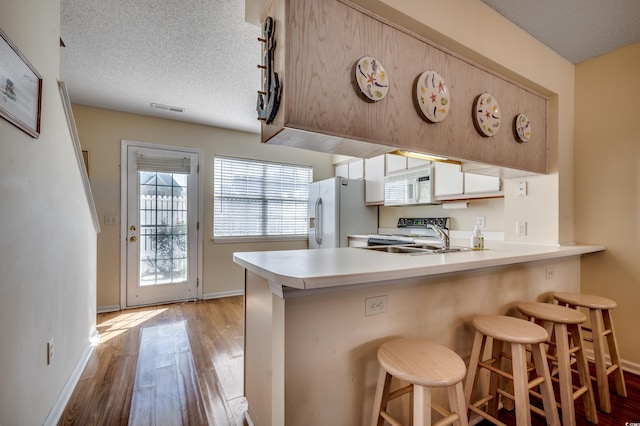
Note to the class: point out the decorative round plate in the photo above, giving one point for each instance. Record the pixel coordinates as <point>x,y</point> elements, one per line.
<point>522,126</point>
<point>486,114</point>
<point>372,78</point>
<point>433,96</point>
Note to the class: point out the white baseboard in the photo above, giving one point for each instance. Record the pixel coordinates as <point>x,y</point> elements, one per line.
<point>222,294</point>
<point>247,418</point>
<point>63,399</point>
<point>631,367</point>
<point>108,308</point>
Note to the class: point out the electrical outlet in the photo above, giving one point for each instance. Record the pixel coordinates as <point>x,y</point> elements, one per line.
<point>521,189</point>
<point>50,351</point>
<point>521,229</point>
<point>549,273</point>
<point>481,221</point>
<point>375,305</point>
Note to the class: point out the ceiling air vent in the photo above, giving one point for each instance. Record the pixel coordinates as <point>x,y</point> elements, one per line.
<point>167,107</point>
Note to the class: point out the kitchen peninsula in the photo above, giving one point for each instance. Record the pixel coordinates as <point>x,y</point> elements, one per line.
<point>310,350</point>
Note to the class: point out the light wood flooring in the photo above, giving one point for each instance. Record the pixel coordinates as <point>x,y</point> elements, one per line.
<point>178,364</point>
<point>182,364</point>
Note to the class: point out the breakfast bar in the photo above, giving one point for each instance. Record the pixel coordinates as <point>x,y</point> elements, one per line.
<point>314,319</point>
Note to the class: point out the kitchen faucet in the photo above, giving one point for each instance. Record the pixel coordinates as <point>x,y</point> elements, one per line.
<point>442,235</point>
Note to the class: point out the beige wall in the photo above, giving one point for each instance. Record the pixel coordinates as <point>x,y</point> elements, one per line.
<point>47,236</point>
<point>607,185</point>
<point>101,132</point>
<point>461,26</point>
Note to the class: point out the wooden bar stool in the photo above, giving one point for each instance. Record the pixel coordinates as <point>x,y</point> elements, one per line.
<point>602,335</point>
<point>424,365</point>
<point>565,342</point>
<point>518,334</point>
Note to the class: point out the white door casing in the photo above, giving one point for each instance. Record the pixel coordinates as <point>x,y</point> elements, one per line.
<point>161,250</point>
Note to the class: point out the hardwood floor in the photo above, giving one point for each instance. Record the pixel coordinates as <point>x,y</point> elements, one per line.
<point>166,365</point>
<point>182,364</point>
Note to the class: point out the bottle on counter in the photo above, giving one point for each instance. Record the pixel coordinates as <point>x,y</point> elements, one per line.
<point>477,239</point>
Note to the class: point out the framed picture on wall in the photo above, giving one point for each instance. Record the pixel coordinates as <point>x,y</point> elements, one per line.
<point>20,88</point>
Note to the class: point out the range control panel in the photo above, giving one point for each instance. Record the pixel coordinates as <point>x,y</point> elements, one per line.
<point>422,222</point>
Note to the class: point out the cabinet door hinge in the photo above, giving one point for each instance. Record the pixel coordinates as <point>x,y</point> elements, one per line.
<point>197,282</point>
<point>197,226</point>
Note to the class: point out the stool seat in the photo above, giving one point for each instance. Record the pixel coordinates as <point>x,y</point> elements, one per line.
<point>422,362</point>
<point>550,312</point>
<point>423,365</point>
<point>510,329</point>
<point>585,300</point>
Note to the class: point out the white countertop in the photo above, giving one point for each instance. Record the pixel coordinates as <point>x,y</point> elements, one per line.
<point>322,268</point>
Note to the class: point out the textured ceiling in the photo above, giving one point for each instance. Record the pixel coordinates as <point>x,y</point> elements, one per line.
<point>199,55</point>
<point>575,29</point>
<point>202,56</point>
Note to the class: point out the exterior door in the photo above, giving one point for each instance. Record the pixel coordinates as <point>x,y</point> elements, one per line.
<point>161,228</point>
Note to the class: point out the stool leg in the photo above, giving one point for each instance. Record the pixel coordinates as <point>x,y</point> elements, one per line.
<point>520,388</point>
<point>381,398</point>
<point>457,405</point>
<point>473,370</point>
<point>597,331</point>
<point>496,353</point>
<point>546,387</point>
<point>421,405</point>
<point>575,334</point>
<point>621,388</point>
<point>564,373</point>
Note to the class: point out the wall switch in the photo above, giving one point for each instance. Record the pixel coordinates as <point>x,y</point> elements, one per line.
<point>50,351</point>
<point>521,189</point>
<point>111,219</point>
<point>521,229</point>
<point>375,305</point>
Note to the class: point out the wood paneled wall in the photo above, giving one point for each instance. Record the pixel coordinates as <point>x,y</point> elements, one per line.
<point>318,44</point>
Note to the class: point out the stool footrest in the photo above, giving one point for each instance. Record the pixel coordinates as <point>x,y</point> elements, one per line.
<point>390,419</point>
<point>451,418</point>
<point>488,365</point>
<point>399,392</point>
<point>487,416</point>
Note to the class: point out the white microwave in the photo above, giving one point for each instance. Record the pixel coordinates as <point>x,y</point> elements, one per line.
<point>409,187</point>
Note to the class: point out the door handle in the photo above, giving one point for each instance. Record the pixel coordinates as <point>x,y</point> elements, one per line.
<point>318,231</point>
<point>133,239</point>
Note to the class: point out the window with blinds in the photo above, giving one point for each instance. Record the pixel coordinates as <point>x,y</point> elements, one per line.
<point>257,198</point>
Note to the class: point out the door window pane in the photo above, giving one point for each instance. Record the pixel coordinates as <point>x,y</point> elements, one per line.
<point>163,228</point>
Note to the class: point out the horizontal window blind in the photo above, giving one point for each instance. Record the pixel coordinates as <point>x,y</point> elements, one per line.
<point>150,163</point>
<point>258,198</point>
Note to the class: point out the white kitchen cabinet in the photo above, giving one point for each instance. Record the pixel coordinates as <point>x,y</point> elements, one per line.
<point>394,163</point>
<point>476,184</point>
<point>352,169</point>
<point>356,169</point>
<point>342,170</point>
<point>449,180</point>
<point>453,184</point>
<point>374,180</point>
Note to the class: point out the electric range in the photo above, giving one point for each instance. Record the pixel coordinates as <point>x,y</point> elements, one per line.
<point>408,230</point>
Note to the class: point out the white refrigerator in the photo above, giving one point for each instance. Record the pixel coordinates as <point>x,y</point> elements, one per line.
<point>336,210</point>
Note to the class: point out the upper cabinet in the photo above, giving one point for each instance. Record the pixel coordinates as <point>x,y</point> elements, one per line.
<point>317,46</point>
<point>454,184</point>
